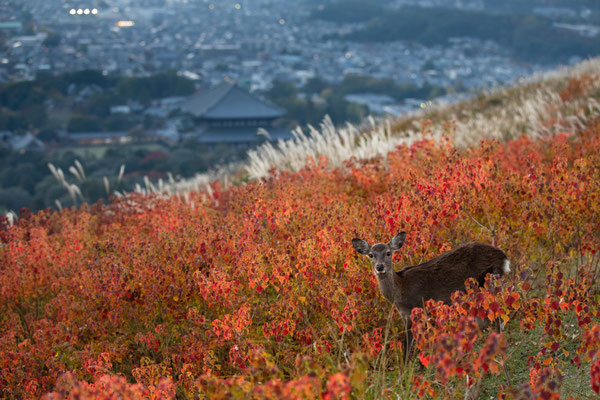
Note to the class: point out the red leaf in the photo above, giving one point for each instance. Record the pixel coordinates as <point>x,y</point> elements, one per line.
<point>424,359</point>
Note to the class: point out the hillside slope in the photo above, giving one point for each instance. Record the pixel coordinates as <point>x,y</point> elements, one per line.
<point>254,291</point>
<point>543,105</point>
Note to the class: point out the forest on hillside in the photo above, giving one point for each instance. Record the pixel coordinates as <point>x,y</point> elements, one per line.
<point>531,38</point>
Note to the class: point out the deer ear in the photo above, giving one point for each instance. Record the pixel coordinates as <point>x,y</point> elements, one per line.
<point>397,241</point>
<point>361,246</point>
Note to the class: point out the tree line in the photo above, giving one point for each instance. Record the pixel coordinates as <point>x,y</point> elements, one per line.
<point>531,38</point>
<point>23,105</point>
<point>310,103</point>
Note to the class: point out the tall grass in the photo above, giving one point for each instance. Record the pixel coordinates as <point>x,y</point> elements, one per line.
<point>536,108</point>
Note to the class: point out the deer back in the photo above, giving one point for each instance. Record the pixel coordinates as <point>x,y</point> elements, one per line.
<point>439,277</point>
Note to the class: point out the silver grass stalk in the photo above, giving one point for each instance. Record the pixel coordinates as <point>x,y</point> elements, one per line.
<point>80,168</point>
<point>53,170</point>
<point>12,217</point>
<point>121,172</point>
<point>263,132</point>
<point>71,193</point>
<point>209,191</point>
<point>75,172</point>
<point>61,177</point>
<point>107,186</point>
<point>77,191</point>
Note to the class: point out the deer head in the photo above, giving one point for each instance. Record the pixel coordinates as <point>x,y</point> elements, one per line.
<point>380,253</point>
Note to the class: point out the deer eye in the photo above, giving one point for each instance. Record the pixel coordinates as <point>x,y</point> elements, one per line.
<point>371,255</point>
<point>389,253</point>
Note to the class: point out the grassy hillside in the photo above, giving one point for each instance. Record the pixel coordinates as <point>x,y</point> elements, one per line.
<point>254,291</point>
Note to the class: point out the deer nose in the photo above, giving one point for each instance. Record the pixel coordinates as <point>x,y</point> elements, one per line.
<point>379,268</point>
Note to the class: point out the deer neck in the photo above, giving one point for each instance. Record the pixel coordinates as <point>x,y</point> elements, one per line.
<point>389,287</point>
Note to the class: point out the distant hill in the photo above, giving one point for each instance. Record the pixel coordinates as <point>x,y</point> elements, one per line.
<point>531,38</point>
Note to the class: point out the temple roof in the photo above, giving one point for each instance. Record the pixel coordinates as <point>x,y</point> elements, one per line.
<point>228,101</point>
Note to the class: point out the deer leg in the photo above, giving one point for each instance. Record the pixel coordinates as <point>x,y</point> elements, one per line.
<point>498,325</point>
<point>484,323</point>
<point>408,339</point>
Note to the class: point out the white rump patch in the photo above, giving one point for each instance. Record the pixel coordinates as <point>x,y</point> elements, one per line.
<point>506,266</point>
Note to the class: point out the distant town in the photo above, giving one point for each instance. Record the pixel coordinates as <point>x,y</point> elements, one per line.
<point>252,42</point>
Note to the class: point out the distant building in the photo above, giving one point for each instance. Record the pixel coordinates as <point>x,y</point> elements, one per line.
<point>582,29</point>
<point>5,136</point>
<point>28,42</point>
<point>14,26</point>
<point>26,142</point>
<point>229,114</point>
<point>99,138</point>
<point>555,12</point>
<point>219,50</point>
<point>124,109</point>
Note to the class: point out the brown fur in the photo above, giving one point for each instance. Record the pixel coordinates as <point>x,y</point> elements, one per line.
<point>439,277</point>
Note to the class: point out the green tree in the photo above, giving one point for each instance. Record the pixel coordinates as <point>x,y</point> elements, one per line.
<point>157,86</point>
<point>82,124</point>
<point>281,91</point>
<point>21,95</point>
<point>35,116</point>
<point>315,85</point>
<point>14,198</point>
<point>23,175</point>
<point>11,121</point>
<point>119,122</point>
<point>47,135</point>
<point>52,40</point>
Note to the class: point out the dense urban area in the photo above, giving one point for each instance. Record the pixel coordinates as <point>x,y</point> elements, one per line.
<point>108,83</point>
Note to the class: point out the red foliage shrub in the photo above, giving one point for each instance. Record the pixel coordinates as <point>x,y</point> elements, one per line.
<point>258,293</point>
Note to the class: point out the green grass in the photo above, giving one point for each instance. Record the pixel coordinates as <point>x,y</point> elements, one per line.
<point>521,345</point>
<point>389,375</point>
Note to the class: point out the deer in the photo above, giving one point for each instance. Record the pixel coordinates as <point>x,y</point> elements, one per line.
<point>435,279</point>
